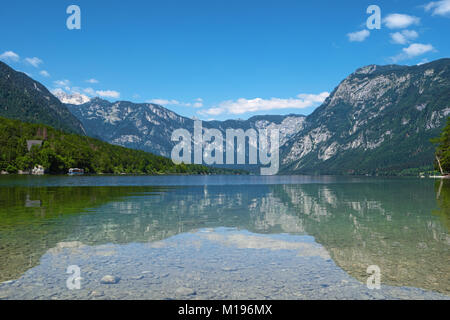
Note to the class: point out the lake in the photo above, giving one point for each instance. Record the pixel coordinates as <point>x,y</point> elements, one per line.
<point>223,237</point>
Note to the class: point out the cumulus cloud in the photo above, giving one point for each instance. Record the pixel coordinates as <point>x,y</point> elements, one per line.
<point>242,105</point>
<point>414,50</point>
<point>400,21</point>
<point>62,83</point>
<point>89,91</point>
<point>358,36</point>
<point>440,8</point>
<point>9,56</point>
<point>35,62</point>
<point>198,103</point>
<point>92,81</point>
<point>404,36</point>
<point>44,73</point>
<point>108,94</point>
<point>164,102</point>
<point>65,85</point>
<point>417,49</point>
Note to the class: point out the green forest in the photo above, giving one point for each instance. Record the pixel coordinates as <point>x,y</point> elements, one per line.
<point>61,151</point>
<point>443,149</point>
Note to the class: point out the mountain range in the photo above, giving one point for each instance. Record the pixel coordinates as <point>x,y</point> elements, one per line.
<point>377,121</point>
<point>25,99</point>
<point>149,127</point>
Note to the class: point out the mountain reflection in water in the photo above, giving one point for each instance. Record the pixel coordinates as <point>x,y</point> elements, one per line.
<point>400,225</point>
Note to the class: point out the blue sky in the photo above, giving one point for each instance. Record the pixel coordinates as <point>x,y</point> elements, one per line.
<point>216,59</point>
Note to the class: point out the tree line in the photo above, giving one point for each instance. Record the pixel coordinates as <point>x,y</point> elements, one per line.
<point>443,150</point>
<point>61,151</point>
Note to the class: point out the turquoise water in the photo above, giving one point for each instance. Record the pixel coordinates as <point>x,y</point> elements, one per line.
<point>224,237</point>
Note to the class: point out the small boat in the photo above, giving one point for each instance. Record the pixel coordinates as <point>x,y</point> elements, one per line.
<point>75,172</point>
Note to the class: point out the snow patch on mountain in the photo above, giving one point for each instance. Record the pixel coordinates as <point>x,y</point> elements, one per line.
<point>74,98</point>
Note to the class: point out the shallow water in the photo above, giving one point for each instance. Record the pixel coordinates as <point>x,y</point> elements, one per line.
<point>224,237</point>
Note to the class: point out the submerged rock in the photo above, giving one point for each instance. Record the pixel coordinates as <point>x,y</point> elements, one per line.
<point>183,291</point>
<point>109,280</point>
<point>229,269</point>
<point>96,294</point>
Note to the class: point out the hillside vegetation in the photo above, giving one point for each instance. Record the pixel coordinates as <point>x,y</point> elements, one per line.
<point>25,99</point>
<point>443,149</point>
<point>61,151</point>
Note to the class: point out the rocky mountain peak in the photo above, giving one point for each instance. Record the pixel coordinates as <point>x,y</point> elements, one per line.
<point>378,119</point>
<point>367,69</point>
<point>70,98</point>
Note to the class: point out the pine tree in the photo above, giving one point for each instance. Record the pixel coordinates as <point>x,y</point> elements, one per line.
<point>443,149</point>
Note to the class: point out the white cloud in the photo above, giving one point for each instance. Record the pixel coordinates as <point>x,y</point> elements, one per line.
<point>198,103</point>
<point>164,102</point>
<point>89,91</point>
<point>93,81</point>
<point>243,105</point>
<point>66,85</point>
<point>400,21</point>
<point>314,98</point>
<point>404,36</point>
<point>358,36</point>
<point>441,8</point>
<point>414,50</point>
<point>44,73</point>
<point>108,94</point>
<point>9,56</point>
<point>62,83</point>
<point>417,49</point>
<point>35,62</point>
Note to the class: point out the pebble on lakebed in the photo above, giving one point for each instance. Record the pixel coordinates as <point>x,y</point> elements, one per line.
<point>185,291</point>
<point>109,280</point>
<point>96,294</point>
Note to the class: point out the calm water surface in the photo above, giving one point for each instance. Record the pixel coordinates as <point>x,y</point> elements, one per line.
<point>224,237</point>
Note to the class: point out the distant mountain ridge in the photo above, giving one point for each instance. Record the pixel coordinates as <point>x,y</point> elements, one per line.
<point>379,120</point>
<point>25,99</point>
<point>149,127</point>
